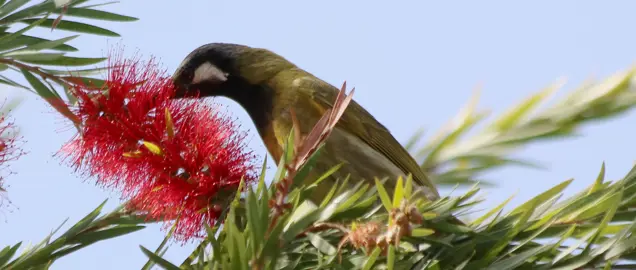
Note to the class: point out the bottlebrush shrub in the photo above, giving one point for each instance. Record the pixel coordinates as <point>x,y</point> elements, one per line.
<point>9,151</point>
<point>171,158</point>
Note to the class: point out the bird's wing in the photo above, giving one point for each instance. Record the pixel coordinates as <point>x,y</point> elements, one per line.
<point>357,121</point>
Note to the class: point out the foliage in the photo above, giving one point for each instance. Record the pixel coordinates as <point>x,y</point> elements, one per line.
<point>274,226</point>
<point>454,161</point>
<point>26,54</point>
<point>363,228</point>
<point>89,230</point>
<point>44,64</point>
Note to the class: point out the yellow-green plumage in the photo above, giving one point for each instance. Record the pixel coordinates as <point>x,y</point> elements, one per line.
<point>366,147</point>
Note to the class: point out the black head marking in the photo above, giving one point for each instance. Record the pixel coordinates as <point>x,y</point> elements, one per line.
<point>212,70</point>
<point>214,57</point>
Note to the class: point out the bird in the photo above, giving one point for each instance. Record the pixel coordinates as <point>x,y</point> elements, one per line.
<point>268,87</point>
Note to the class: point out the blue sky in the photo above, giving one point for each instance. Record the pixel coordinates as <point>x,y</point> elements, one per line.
<point>413,63</point>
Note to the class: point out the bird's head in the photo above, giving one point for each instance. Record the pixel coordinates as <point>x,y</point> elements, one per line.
<point>223,69</point>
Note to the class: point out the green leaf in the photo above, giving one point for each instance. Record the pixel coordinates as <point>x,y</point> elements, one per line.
<point>360,208</point>
<point>321,244</point>
<point>90,83</point>
<point>594,209</point>
<point>326,174</point>
<point>518,112</point>
<point>290,147</point>
<point>463,264</point>
<point>599,180</point>
<point>15,35</point>
<point>49,44</point>
<point>7,81</point>
<point>74,27</point>
<point>11,6</point>
<point>101,235</point>
<point>572,247</point>
<point>298,225</point>
<point>611,243</point>
<point>29,56</point>
<point>84,222</point>
<point>422,232</point>
<point>522,243</point>
<point>280,171</point>
<point>25,40</point>
<point>38,86</point>
<point>408,187</point>
<point>329,195</point>
<point>272,243</point>
<point>149,264</point>
<point>384,196</point>
<point>77,72</point>
<point>517,260</point>
<point>545,196</point>
<point>620,248</point>
<point>327,212</point>
<point>29,12</point>
<point>7,253</point>
<point>564,237</point>
<point>398,194</point>
<point>520,223</point>
<point>94,5</point>
<point>96,15</point>
<point>390,258</point>
<point>575,263</point>
<point>65,61</point>
<point>468,120</point>
<point>352,199</point>
<point>497,209</point>
<point>79,2</point>
<point>196,253</point>
<point>415,138</point>
<point>372,258</point>
<point>613,204</point>
<point>158,260</point>
<point>256,224</point>
<point>304,171</point>
<point>237,238</point>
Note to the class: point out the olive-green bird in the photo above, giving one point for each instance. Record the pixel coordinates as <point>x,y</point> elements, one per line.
<point>267,86</point>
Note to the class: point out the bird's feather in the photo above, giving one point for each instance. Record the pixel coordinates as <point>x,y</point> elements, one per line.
<point>357,127</point>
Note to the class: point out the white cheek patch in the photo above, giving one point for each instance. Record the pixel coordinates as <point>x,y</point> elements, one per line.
<point>208,72</point>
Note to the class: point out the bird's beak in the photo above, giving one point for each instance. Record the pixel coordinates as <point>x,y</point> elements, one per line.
<point>186,91</point>
<point>181,90</point>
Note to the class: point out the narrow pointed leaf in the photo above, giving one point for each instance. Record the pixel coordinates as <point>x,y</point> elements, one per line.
<point>599,180</point>
<point>64,61</point>
<point>398,193</point>
<point>158,260</point>
<point>372,258</point>
<point>74,27</point>
<point>321,244</point>
<point>384,196</point>
<point>7,253</point>
<point>514,116</point>
<point>11,6</point>
<point>96,15</point>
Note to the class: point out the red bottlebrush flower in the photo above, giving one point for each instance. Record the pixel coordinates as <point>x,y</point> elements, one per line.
<point>171,158</point>
<point>9,151</point>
